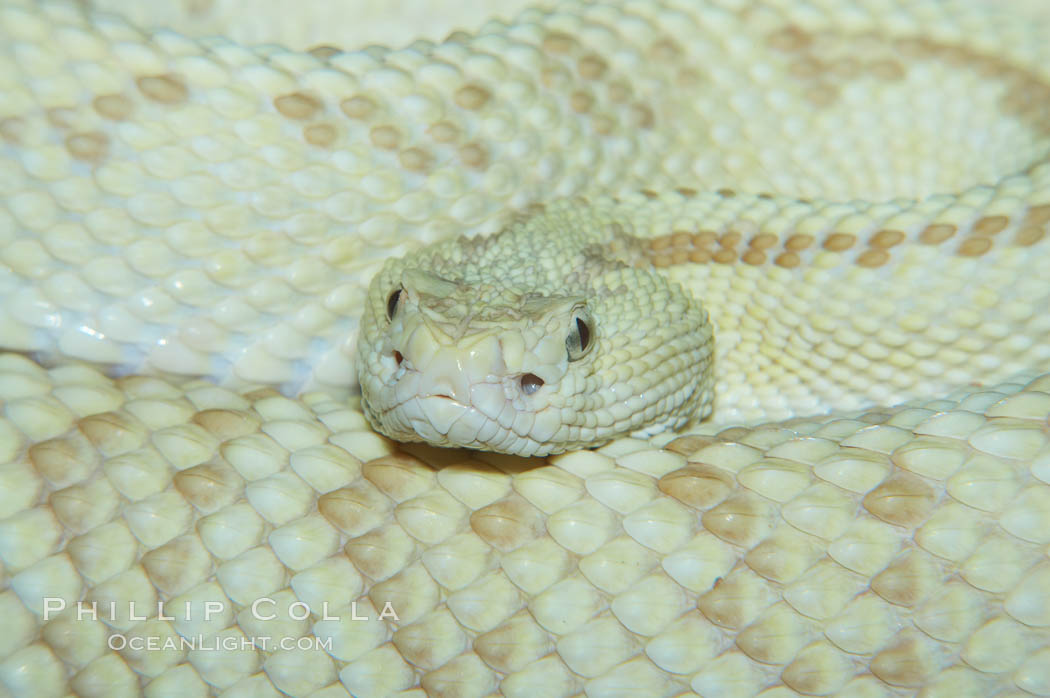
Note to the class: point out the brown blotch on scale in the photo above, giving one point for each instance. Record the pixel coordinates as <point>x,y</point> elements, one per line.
<point>790,38</point>
<point>871,259</point>
<point>648,193</point>
<point>661,261</point>
<point>661,243</point>
<point>399,476</point>
<point>591,67</point>
<point>665,50</point>
<point>581,102</point>
<point>798,242</point>
<point>787,260</point>
<point>848,68</point>
<point>908,581</point>
<point>377,552</point>
<point>994,67</point>
<point>975,246</point>
<point>725,193</point>
<point>113,433</point>
<point>806,68</point>
<point>254,395</point>
<point>474,155</point>
<point>724,256</point>
<point>990,225</point>
<point>730,239</point>
<point>903,500</point>
<point>681,238</point>
<point>174,566</point>
<point>603,124</point>
<point>508,524</point>
<point>886,238</point>
<point>385,137</point>
<point>471,97</point>
<point>12,130</point>
<point>913,48</point>
<point>358,107</point>
<point>744,519</point>
<point>443,132</point>
<point>809,673</point>
<point>209,486</point>
<point>838,242</point>
<point>705,238</point>
<point>323,52</point>
<point>65,459</point>
<point>354,509</point>
<point>558,43</point>
<point>753,257</point>
<point>686,191</point>
<point>937,233</point>
<point>687,446</point>
<point>822,94</point>
<point>506,648</point>
<point>226,424</point>
<point>697,486</point>
<point>887,70</point>
<point>688,77</point>
<point>166,89</point>
<point>731,602</point>
<point>199,7</point>
<point>700,256</point>
<point>415,159</point>
<point>1037,215</point>
<point>762,241</point>
<point>908,662</point>
<point>619,92</point>
<point>321,135</point>
<point>1029,235</point>
<point>91,146</point>
<point>113,107</point>
<point>297,105</point>
<point>679,257</point>
<point>642,116</point>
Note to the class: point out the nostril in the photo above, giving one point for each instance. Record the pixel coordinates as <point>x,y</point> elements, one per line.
<point>397,357</point>
<point>530,383</point>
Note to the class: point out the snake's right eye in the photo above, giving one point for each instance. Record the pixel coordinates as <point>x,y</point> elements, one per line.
<point>579,340</point>
<point>391,303</point>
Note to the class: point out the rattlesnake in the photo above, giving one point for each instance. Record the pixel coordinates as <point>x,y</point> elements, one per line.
<point>858,196</point>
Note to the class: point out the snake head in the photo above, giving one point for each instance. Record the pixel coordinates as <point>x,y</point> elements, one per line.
<point>489,365</point>
<point>536,340</point>
<point>474,365</point>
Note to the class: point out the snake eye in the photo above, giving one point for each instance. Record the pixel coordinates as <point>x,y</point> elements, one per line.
<point>530,383</point>
<point>391,303</point>
<point>579,340</point>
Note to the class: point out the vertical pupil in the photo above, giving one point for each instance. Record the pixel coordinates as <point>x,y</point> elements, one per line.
<point>585,333</point>
<point>391,303</point>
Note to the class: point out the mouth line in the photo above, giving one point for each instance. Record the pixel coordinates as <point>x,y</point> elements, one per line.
<point>401,404</point>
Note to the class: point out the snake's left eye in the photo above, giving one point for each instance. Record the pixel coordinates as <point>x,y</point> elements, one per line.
<point>579,340</point>
<point>391,303</point>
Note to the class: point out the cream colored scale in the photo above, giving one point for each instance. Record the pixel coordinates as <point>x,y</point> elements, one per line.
<point>857,194</point>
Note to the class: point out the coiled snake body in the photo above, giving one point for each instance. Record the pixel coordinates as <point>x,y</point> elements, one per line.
<point>747,212</point>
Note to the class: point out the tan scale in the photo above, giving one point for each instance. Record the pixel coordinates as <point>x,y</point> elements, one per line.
<point>858,197</point>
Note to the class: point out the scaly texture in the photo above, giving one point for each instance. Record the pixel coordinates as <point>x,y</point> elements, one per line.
<point>863,201</point>
<point>871,554</point>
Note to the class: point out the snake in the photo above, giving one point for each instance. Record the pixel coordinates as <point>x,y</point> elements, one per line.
<point>617,348</point>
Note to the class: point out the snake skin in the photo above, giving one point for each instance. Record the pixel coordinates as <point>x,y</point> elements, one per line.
<point>857,193</point>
